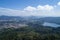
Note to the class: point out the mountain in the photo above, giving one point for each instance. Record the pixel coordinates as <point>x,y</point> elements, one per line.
<point>51,19</point>
<point>14,21</point>
<point>29,28</point>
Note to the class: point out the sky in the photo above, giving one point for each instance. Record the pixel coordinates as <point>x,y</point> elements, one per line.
<point>30,7</point>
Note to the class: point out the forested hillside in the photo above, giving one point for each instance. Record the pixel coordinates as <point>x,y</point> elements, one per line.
<point>27,28</point>
<point>30,33</point>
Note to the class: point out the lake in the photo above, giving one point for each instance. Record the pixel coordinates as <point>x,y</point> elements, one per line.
<point>50,24</point>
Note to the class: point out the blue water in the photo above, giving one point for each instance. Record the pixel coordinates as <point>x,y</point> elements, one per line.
<point>50,24</point>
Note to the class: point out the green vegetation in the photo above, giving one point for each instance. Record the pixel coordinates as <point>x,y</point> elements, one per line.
<point>30,33</point>
<point>28,28</point>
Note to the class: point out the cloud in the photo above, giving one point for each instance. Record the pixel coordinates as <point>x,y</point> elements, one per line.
<point>58,3</point>
<point>30,8</point>
<point>39,7</point>
<point>45,7</point>
<point>11,12</point>
<point>45,10</point>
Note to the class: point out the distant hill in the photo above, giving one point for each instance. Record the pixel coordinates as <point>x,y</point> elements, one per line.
<point>29,28</point>
<point>29,20</point>
<point>51,19</point>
